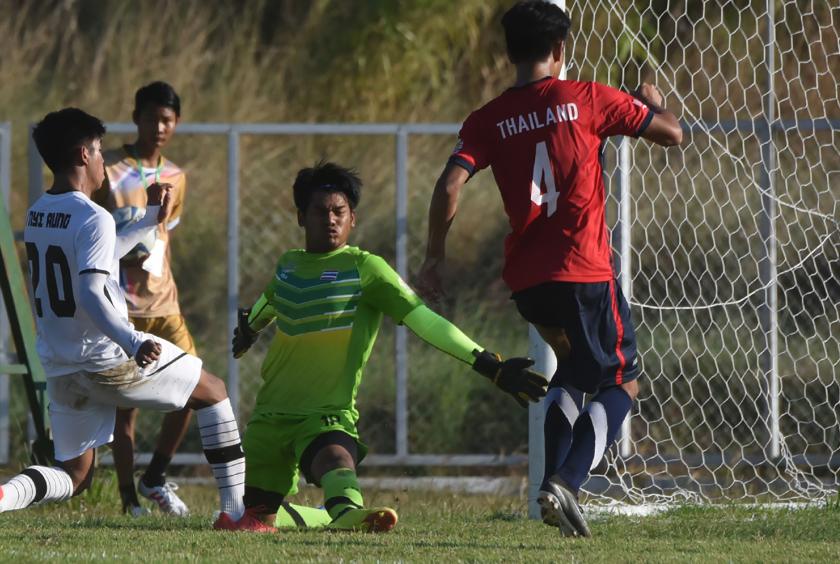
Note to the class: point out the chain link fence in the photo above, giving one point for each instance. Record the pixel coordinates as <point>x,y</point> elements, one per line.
<point>239,218</point>
<point>5,396</point>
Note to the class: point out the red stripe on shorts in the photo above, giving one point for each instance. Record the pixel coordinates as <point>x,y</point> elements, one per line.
<point>619,328</point>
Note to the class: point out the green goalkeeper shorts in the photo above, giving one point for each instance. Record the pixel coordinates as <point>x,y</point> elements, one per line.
<point>274,443</point>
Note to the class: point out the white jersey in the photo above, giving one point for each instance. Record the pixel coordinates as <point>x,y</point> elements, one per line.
<point>67,235</point>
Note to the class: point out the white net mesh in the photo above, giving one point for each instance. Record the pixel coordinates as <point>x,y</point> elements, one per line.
<point>734,247</point>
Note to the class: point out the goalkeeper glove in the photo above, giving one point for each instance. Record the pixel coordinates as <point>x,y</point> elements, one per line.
<point>243,335</point>
<point>512,376</point>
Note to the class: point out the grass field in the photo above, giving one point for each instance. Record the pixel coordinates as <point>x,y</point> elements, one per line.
<point>433,527</point>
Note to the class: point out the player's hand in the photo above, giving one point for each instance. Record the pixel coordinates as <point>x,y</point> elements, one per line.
<point>429,281</point>
<point>155,193</point>
<point>160,194</point>
<point>243,335</point>
<point>650,95</point>
<point>513,376</point>
<point>148,352</point>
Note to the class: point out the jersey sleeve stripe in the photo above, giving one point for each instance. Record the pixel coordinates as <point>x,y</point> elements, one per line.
<point>463,163</point>
<point>93,271</point>
<point>108,295</point>
<point>644,125</point>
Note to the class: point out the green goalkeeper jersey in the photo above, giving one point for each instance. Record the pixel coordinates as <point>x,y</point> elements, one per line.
<point>327,309</point>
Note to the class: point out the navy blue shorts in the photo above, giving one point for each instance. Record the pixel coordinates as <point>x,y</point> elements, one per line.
<point>596,319</point>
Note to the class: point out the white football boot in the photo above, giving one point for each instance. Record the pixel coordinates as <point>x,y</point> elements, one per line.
<point>165,497</point>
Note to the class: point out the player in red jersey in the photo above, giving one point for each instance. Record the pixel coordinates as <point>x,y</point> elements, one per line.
<point>542,139</point>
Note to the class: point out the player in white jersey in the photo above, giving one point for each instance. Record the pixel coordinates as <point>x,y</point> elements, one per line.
<point>93,358</point>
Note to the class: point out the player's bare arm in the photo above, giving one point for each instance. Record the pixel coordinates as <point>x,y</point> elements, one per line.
<point>442,212</point>
<point>664,128</point>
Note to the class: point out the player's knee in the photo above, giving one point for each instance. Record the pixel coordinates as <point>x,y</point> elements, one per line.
<point>81,479</point>
<point>218,390</point>
<point>631,388</point>
<point>210,390</point>
<point>329,458</point>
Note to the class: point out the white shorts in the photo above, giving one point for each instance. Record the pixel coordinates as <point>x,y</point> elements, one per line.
<point>83,404</point>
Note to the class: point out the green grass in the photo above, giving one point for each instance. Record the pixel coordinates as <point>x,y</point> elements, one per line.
<point>432,527</point>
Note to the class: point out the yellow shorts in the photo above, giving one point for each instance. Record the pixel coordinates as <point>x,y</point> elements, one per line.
<point>173,328</point>
<point>274,444</point>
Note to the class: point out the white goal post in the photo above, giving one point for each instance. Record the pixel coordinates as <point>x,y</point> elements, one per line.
<point>727,248</point>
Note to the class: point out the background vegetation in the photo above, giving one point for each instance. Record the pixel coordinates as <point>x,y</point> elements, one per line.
<point>695,212</point>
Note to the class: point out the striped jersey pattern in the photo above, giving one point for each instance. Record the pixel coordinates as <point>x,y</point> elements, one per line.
<point>327,309</point>
<point>325,303</point>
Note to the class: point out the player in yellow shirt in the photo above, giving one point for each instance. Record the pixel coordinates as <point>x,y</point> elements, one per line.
<point>150,290</point>
<point>327,302</point>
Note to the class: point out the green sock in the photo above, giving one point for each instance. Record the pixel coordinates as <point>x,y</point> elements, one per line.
<point>341,491</point>
<point>290,515</point>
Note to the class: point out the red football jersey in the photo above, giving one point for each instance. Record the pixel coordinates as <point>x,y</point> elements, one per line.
<point>543,143</point>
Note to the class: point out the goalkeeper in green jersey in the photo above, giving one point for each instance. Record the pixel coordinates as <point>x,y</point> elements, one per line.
<point>327,303</point>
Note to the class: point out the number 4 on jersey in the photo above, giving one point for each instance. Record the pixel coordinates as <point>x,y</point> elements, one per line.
<point>543,173</point>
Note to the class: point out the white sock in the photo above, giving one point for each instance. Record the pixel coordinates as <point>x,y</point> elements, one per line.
<point>223,449</point>
<point>36,484</point>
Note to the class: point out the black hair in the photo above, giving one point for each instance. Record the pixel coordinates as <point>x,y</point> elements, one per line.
<point>157,94</point>
<point>329,177</point>
<point>532,28</point>
<point>62,131</point>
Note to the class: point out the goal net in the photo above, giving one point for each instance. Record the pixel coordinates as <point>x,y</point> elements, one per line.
<point>728,247</point>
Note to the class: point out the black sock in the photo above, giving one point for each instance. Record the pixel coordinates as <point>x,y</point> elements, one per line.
<point>155,474</point>
<point>262,501</point>
<point>128,495</point>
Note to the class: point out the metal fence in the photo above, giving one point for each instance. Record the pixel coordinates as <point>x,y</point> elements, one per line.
<point>401,134</point>
<point>5,190</point>
<point>233,133</point>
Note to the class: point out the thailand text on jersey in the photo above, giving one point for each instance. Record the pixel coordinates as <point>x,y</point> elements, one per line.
<point>543,143</point>
<point>327,308</point>
<point>67,235</point>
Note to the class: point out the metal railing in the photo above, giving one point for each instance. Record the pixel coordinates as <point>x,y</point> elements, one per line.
<point>401,134</point>
<point>5,190</point>
<point>233,132</point>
